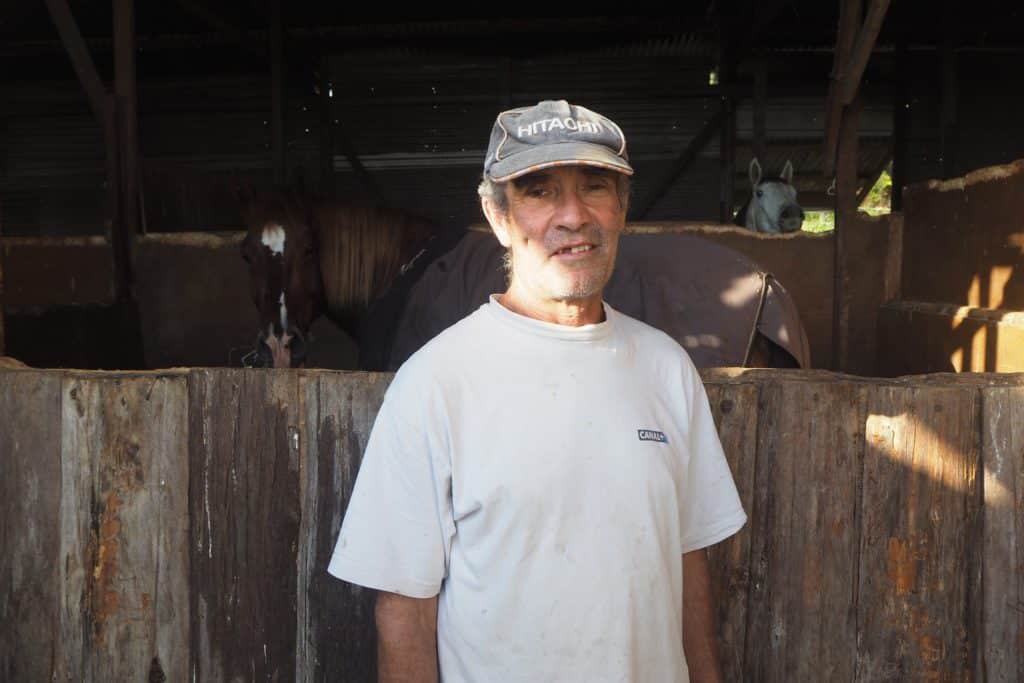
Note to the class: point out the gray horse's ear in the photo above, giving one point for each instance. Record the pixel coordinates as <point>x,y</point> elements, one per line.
<point>755,172</point>
<point>787,172</point>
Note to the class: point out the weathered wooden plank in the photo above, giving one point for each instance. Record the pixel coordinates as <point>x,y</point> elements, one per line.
<point>29,523</point>
<point>337,638</point>
<point>1003,553</point>
<point>735,410</point>
<point>244,505</point>
<point>801,621</point>
<point>124,520</point>
<point>921,460</point>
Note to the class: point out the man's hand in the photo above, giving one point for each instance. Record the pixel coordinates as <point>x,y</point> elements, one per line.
<point>699,621</point>
<point>406,639</point>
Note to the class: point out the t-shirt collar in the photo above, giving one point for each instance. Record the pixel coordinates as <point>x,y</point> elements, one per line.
<point>592,332</point>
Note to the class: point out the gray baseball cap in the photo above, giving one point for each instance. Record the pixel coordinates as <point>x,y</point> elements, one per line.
<point>553,133</point>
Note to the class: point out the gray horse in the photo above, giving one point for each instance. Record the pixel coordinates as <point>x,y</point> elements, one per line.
<point>772,206</point>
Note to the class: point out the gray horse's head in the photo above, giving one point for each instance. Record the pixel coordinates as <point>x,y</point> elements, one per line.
<point>772,206</point>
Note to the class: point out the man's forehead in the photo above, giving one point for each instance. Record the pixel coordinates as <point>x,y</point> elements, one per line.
<point>546,174</point>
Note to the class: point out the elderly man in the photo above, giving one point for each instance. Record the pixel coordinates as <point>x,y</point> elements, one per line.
<point>544,476</point>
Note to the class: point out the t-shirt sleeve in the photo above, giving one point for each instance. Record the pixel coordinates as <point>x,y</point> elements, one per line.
<point>711,509</point>
<point>397,531</point>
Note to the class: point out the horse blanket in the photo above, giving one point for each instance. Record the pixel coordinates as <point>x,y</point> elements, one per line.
<point>704,295</point>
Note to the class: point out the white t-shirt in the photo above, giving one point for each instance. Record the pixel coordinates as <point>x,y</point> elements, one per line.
<point>546,480</point>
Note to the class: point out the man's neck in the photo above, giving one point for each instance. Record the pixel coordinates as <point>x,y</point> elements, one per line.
<point>575,313</point>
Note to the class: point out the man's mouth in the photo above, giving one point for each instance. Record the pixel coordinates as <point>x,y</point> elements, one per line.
<point>577,249</point>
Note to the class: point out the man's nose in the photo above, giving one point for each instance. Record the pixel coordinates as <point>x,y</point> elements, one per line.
<point>571,211</point>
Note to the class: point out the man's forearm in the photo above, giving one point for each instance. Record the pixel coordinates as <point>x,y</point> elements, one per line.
<point>700,630</point>
<point>406,639</point>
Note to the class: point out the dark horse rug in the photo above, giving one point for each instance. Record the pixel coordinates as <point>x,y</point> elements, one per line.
<point>709,298</point>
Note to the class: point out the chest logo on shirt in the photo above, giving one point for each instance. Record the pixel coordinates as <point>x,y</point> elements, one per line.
<point>651,435</point>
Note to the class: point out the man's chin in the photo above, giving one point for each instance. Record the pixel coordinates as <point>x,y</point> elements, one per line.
<point>578,291</point>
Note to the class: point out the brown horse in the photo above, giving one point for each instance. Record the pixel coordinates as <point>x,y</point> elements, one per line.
<point>313,257</point>
<point>393,281</point>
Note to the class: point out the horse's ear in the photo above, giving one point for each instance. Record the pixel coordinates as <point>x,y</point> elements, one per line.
<point>755,172</point>
<point>787,172</point>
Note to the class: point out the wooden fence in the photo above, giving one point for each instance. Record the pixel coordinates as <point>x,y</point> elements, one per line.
<point>176,526</point>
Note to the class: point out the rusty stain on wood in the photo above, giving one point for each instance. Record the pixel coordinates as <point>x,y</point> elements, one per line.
<point>902,569</point>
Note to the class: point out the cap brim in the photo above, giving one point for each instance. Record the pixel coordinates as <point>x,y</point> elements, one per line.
<point>560,154</point>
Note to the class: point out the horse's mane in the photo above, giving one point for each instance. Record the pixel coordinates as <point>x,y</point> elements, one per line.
<point>362,251</point>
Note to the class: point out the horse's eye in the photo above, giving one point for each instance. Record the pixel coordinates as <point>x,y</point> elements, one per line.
<point>760,193</point>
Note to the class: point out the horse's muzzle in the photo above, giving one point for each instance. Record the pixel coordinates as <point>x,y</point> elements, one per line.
<point>791,219</point>
<point>288,350</point>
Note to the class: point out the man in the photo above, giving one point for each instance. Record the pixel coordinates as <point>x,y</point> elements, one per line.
<point>544,474</point>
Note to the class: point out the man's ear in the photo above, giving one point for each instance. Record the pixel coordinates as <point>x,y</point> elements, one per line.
<point>498,221</point>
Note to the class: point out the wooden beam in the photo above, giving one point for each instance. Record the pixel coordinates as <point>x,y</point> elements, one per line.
<point>870,180</point>
<point>81,61</point>
<point>126,128</point>
<point>277,147</point>
<point>682,162</point>
<point>849,20</point>
<point>862,49</point>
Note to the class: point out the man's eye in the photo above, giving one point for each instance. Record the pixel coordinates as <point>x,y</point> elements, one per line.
<point>537,192</point>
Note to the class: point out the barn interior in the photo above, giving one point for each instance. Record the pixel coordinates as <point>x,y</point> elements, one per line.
<point>128,130</point>
<point>175,523</point>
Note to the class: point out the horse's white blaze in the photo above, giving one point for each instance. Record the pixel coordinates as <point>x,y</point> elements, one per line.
<point>284,314</point>
<point>273,238</point>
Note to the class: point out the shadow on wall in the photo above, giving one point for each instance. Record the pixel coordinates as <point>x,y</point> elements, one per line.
<point>963,290</point>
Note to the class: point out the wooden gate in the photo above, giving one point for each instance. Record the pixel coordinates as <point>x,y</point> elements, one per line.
<point>177,526</point>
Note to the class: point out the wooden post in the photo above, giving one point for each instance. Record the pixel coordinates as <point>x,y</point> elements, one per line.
<point>760,144</point>
<point>727,133</point>
<point>126,130</point>
<point>845,120</point>
<point>3,345</point>
<point>277,93</point>
<point>854,46</point>
<point>901,120</point>
<point>126,89</point>
<point>948,107</point>
<point>115,228</point>
<point>846,217</point>
<point>326,128</point>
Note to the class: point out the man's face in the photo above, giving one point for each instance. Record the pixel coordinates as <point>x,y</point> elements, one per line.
<point>562,229</point>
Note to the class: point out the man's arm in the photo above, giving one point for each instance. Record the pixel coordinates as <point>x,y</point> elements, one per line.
<point>699,622</point>
<point>406,639</point>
